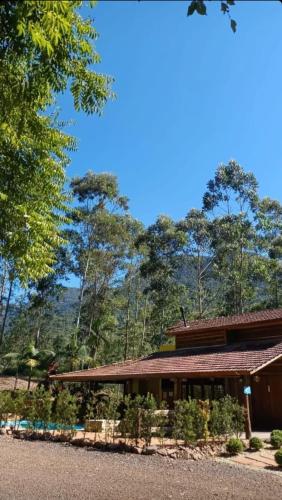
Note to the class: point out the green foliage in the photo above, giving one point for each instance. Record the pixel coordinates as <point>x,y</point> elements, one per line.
<point>278,457</point>
<point>226,417</point>
<point>148,418</point>
<point>65,410</point>
<point>234,446</point>
<point>162,421</point>
<point>225,258</point>
<point>102,242</point>
<point>139,417</point>
<point>162,243</point>
<point>6,405</point>
<point>44,48</point>
<point>38,408</point>
<point>256,443</point>
<point>276,438</point>
<point>190,421</point>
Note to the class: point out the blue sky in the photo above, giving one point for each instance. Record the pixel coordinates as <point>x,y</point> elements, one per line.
<point>190,94</point>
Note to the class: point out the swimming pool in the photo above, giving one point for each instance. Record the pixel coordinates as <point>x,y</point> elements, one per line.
<point>25,424</point>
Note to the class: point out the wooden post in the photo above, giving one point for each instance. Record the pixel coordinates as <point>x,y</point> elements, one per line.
<point>248,425</point>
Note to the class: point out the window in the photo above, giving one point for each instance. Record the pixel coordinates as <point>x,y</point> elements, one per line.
<point>202,389</point>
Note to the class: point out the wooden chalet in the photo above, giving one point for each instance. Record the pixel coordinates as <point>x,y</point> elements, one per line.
<point>213,357</point>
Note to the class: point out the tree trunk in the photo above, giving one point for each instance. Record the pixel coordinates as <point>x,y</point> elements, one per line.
<point>82,291</point>
<point>199,286</point>
<point>16,379</point>
<point>29,379</point>
<point>126,340</point>
<point>144,322</point>
<point>6,312</point>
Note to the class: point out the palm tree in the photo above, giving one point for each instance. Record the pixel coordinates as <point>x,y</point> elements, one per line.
<point>30,357</point>
<point>77,354</point>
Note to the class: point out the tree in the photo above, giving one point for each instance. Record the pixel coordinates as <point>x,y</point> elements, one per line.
<point>269,229</point>
<point>102,243</point>
<point>232,198</point>
<point>29,357</point>
<point>43,293</point>
<point>44,48</point>
<point>199,259</point>
<point>163,243</point>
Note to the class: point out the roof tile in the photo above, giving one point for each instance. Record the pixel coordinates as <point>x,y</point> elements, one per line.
<point>242,358</point>
<point>227,322</point>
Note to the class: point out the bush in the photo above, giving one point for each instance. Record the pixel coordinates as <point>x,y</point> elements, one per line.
<point>65,410</point>
<point>37,408</point>
<point>278,457</point>
<point>226,417</point>
<point>190,421</point>
<point>234,446</point>
<point>139,417</point>
<point>276,438</point>
<point>256,443</point>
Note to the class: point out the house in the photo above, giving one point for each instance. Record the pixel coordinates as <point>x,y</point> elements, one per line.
<point>227,355</point>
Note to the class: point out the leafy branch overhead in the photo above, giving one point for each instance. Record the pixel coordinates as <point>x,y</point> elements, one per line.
<point>45,48</point>
<point>200,7</point>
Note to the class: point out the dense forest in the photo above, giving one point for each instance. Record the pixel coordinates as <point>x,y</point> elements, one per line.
<point>222,258</point>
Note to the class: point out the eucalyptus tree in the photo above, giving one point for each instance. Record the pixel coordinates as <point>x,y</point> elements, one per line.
<point>102,241</point>
<point>269,228</point>
<point>163,243</point>
<point>45,48</point>
<point>198,259</point>
<point>230,202</point>
<point>44,293</point>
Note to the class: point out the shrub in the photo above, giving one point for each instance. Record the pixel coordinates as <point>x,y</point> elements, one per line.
<point>139,417</point>
<point>65,410</point>
<point>38,408</point>
<point>256,443</point>
<point>190,421</point>
<point>278,457</point>
<point>148,418</point>
<point>276,438</point>
<point>6,406</point>
<point>162,422</point>
<point>234,446</point>
<point>226,417</point>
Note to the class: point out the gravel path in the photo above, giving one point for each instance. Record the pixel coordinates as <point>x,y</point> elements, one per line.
<point>36,470</point>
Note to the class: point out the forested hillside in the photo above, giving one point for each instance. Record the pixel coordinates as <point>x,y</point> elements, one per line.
<point>224,257</point>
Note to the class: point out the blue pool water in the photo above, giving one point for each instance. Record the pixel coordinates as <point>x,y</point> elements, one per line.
<point>24,424</point>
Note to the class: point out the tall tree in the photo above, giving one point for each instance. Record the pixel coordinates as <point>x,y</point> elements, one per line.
<point>231,200</point>
<point>269,229</point>
<point>163,243</point>
<point>102,241</point>
<point>198,260</point>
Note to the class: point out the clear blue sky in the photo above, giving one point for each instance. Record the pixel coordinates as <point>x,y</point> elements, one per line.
<point>190,94</point>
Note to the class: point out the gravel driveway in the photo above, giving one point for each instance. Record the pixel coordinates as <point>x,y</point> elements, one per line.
<point>36,470</point>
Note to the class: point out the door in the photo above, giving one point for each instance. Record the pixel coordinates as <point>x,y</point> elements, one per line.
<point>266,402</point>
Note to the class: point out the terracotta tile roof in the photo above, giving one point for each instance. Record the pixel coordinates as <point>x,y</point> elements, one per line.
<point>233,359</point>
<point>228,322</point>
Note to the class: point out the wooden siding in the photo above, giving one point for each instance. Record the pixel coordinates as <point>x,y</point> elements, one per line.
<point>245,334</point>
<point>220,337</point>
<point>200,339</point>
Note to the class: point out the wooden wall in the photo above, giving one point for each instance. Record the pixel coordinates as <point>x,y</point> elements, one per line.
<point>221,337</point>
<point>245,334</point>
<point>200,339</point>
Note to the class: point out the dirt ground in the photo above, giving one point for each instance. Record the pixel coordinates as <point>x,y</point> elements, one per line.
<point>42,470</point>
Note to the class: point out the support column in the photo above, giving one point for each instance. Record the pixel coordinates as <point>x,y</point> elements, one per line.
<point>248,425</point>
